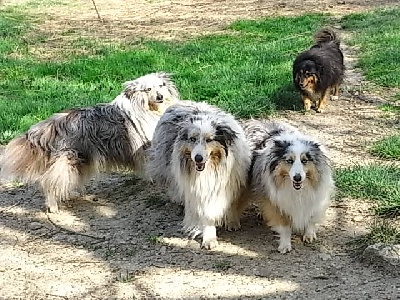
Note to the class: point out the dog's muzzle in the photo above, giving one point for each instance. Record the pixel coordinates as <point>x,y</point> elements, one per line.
<point>303,86</point>
<point>200,163</point>
<point>297,182</point>
<point>159,98</point>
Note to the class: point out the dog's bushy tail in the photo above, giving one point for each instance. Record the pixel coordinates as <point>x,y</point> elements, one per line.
<point>326,35</point>
<point>23,160</point>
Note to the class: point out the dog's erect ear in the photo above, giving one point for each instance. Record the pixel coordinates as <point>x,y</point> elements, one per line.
<point>224,134</point>
<point>166,78</point>
<point>315,153</point>
<point>183,133</point>
<point>131,87</point>
<point>278,152</point>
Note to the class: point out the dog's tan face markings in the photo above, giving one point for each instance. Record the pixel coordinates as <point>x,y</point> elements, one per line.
<point>202,147</point>
<point>286,170</point>
<point>307,80</point>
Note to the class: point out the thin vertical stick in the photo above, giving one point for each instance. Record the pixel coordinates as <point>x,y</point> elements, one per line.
<point>95,7</point>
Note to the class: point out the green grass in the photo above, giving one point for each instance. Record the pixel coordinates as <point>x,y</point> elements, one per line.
<point>377,35</point>
<point>246,71</point>
<point>380,184</point>
<point>379,231</point>
<point>388,148</point>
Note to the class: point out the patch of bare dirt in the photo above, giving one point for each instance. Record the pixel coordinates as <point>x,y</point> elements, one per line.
<point>130,21</point>
<point>124,241</point>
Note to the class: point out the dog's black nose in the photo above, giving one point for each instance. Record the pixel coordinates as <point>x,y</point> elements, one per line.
<point>159,97</point>
<point>297,177</point>
<point>198,158</point>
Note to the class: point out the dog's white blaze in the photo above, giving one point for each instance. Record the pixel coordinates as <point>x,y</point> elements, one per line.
<point>206,129</point>
<point>297,149</point>
<point>200,149</point>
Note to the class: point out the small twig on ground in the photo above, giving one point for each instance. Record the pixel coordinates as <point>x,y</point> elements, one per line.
<point>74,232</point>
<point>98,14</point>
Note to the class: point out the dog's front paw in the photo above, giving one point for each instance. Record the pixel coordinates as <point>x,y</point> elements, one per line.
<point>309,237</point>
<point>209,244</point>
<point>284,247</point>
<point>334,98</point>
<point>320,110</point>
<point>209,237</point>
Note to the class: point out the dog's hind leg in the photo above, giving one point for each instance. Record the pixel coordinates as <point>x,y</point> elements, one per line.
<point>232,222</point>
<point>335,92</point>
<point>323,101</point>
<point>63,179</point>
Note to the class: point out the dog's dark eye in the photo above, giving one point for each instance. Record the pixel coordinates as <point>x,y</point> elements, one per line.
<point>147,90</point>
<point>290,161</point>
<point>209,140</point>
<point>193,139</point>
<point>304,161</point>
<point>164,84</point>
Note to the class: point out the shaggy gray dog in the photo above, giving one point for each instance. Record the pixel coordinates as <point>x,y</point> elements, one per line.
<point>200,153</point>
<point>66,150</point>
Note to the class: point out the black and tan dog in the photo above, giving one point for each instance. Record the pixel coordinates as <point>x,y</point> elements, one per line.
<point>319,70</point>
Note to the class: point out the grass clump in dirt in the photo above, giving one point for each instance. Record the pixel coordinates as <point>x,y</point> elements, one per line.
<point>377,36</point>
<point>380,184</point>
<point>246,71</point>
<point>388,148</point>
<point>379,231</point>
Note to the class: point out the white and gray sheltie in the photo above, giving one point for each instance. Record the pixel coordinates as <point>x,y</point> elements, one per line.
<point>64,151</point>
<point>200,153</point>
<point>291,179</point>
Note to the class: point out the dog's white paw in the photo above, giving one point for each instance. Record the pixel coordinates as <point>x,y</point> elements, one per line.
<point>284,247</point>
<point>209,244</point>
<point>334,97</point>
<point>309,237</point>
<point>209,237</point>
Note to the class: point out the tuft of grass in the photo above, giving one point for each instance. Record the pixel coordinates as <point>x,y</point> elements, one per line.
<point>375,182</point>
<point>246,71</point>
<point>388,148</point>
<point>390,108</point>
<point>377,35</point>
<point>223,265</point>
<point>155,239</point>
<point>379,231</point>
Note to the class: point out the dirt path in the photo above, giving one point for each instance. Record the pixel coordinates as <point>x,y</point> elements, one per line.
<point>127,243</point>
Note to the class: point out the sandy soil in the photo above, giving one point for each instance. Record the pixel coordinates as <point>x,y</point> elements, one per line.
<point>123,241</point>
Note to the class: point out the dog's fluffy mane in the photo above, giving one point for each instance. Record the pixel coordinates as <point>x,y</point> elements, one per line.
<point>68,148</point>
<point>209,194</point>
